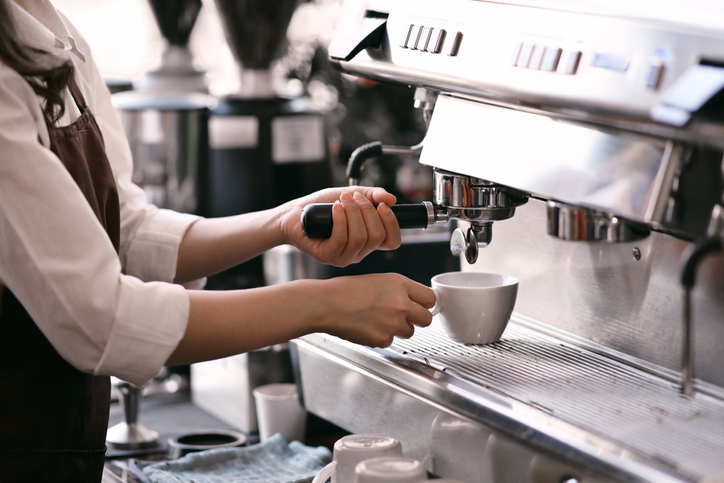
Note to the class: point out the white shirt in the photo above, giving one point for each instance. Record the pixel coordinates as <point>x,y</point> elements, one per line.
<point>103,315</point>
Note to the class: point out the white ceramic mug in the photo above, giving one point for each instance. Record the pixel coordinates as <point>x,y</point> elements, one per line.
<point>353,449</point>
<point>390,470</point>
<point>473,307</point>
<point>278,411</point>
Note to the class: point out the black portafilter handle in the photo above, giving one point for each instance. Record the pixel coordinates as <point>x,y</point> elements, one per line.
<point>317,218</point>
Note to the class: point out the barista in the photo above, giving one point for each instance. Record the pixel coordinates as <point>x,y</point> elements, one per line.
<point>91,274</point>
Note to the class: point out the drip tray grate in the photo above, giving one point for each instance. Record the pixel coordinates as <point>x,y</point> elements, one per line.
<point>638,410</point>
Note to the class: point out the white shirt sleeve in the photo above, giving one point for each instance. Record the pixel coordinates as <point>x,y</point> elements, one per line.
<point>104,315</point>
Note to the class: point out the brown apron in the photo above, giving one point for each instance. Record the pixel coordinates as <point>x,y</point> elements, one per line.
<point>53,418</point>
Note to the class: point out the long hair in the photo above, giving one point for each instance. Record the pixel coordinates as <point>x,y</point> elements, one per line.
<point>46,77</point>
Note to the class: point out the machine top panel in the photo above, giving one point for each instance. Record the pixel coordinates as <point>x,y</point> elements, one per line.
<point>654,65</point>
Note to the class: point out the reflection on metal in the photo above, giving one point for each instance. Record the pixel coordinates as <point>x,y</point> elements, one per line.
<point>716,223</point>
<point>476,201</point>
<point>130,434</point>
<point>580,224</point>
<point>552,160</point>
<point>590,401</point>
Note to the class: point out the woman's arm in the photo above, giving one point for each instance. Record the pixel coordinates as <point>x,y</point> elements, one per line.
<point>366,309</point>
<point>215,244</point>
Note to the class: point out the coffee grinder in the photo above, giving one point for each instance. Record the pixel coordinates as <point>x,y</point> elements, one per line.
<point>266,147</point>
<point>175,20</point>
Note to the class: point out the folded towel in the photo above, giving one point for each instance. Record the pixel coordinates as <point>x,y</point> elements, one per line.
<point>272,461</point>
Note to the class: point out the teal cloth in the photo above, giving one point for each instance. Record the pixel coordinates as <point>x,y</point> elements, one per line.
<point>272,461</point>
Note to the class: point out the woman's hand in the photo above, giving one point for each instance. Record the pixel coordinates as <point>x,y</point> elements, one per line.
<point>363,222</point>
<point>373,309</point>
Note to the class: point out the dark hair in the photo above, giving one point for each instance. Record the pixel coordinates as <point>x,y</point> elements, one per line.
<point>46,79</point>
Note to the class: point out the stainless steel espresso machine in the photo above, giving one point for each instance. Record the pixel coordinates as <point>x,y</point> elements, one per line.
<point>579,146</point>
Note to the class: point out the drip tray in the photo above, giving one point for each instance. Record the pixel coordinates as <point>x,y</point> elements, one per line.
<point>553,395</point>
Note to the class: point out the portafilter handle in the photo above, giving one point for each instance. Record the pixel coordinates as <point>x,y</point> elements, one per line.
<point>317,218</point>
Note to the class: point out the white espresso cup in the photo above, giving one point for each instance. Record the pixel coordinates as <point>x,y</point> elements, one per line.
<point>473,307</point>
<point>353,449</point>
<point>390,470</point>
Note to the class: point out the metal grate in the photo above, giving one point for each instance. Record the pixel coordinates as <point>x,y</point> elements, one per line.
<point>638,410</point>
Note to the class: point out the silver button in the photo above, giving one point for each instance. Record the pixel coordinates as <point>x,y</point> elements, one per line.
<point>574,58</point>
<point>656,70</point>
<point>424,39</point>
<point>536,57</point>
<point>452,44</point>
<point>525,54</point>
<point>406,36</point>
<point>551,59</point>
<point>436,40</point>
<point>414,36</point>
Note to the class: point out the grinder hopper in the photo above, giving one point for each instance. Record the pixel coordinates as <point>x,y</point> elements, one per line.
<point>175,20</point>
<point>256,31</point>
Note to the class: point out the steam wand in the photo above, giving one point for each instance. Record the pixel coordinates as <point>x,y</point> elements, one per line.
<point>712,243</point>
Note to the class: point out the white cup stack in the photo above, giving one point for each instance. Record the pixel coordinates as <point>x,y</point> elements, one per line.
<point>351,450</point>
<point>390,469</point>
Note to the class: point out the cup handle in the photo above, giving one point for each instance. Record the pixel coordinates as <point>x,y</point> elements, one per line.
<point>436,308</point>
<point>326,473</point>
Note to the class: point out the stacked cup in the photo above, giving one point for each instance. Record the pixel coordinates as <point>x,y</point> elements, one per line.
<point>390,469</point>
<point>371,458</point>
<point>351,450</point>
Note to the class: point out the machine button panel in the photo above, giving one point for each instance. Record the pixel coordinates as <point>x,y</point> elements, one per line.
<point>530,55</point>
<point>424,38</point>
<point>433,40</point>
<point>437,38</point>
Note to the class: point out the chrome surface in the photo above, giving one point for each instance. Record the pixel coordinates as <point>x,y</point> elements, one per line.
<point>686,379</point>
<point>168,137</point>
<point>601,293</point>
<point>547,395</point>
<point>716,224</point>
<point>615,93</point>
<point>549,159</point>
<point>467,242</point>
<point>609,111</point>
<point>584,224</point>
<point>130,434</point>
<point>476,201</point>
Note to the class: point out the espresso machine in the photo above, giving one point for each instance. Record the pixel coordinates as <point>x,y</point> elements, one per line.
<point>578,146</point>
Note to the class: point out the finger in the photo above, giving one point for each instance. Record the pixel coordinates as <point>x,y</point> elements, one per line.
<point>393,237</point>
<point>406,331</point>
<point>421,294</point>
<point>419,315</point>
<point>356,229</point>
<point>338,240</point>
<point>377,195</point>
<point>373,224</point>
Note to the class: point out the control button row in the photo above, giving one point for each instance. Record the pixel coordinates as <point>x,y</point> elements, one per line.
<point>545,58</point>
<point>431,39</point>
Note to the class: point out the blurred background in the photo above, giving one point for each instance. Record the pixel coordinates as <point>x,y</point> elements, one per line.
<point>127,43</point>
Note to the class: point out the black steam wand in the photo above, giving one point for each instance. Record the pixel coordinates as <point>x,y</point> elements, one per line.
<point>692,258</point>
